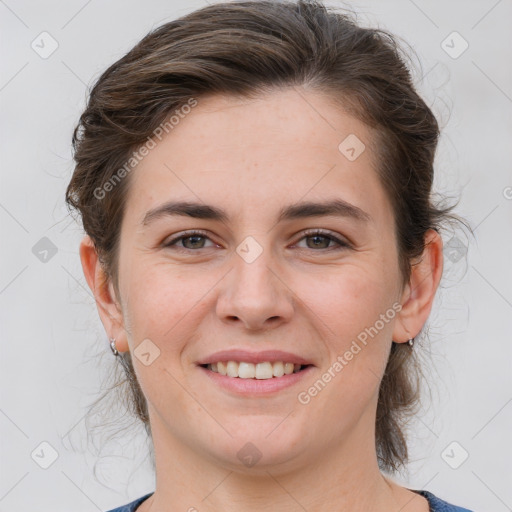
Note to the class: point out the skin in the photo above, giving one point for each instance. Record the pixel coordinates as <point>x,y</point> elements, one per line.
<point>251,158</point>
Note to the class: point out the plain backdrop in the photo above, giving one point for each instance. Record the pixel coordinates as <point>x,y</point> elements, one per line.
<point>51,336</point>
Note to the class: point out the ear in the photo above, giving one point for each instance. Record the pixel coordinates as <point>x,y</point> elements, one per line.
<point>103,290</point>
<point>418,295</point>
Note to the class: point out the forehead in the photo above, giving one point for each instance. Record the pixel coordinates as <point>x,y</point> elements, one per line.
<point>247,153</point>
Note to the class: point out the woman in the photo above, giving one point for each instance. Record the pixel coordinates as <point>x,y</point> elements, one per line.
<point>254,180</point>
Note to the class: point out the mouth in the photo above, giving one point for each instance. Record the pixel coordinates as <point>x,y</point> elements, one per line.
<point>256,380</point>
<point>255,371</point>
<point>245,373</point>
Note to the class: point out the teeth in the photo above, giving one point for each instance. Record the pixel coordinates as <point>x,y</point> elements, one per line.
<point>264,371</point>
<point>278,369</point>
<point>246,371</point>
<point>221,367</point>
<point>243,370</point>
<point>232,369</point>
<point>288,368</point>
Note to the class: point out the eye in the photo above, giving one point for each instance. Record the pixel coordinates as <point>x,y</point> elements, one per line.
<point>321,240</point>
<point>193,240</point>
<point>189,240</point>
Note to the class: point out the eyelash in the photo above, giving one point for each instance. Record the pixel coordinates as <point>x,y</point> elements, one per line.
<point>306,234</point>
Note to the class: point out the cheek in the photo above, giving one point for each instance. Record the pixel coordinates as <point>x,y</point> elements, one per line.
<point>162,307</point>
<point>353,316</point>
<point>160,301</point>
<point>347,300</point>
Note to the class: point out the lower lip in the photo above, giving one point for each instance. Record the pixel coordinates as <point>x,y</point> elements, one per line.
<point>256,386</point>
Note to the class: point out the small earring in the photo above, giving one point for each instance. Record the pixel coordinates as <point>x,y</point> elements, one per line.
<point>113,346</point>
<point>411,342</point>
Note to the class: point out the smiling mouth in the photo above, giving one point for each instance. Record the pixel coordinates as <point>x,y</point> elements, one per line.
<point>260,371</point>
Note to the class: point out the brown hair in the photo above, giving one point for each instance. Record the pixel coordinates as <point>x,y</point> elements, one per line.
<point>246,49</point>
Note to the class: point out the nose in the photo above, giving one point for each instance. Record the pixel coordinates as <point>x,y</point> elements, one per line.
<point>255,294</point>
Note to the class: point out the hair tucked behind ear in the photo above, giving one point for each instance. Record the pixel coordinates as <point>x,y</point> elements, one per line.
<point>246,49</point>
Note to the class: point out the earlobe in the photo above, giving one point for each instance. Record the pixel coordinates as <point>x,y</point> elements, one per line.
<point>419,294</point>
<point>103,291</point>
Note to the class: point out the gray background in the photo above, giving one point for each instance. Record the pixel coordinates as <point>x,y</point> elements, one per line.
<point>55,355</point>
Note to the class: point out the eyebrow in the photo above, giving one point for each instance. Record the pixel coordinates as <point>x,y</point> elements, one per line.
<point>336,207</point>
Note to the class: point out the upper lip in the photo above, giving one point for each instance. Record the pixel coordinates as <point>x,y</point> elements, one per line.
<point>254,357</point>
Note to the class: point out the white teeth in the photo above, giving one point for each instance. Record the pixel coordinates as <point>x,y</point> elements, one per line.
<point>243,370</point>
<point>221,367</point>
<point>288,368</point>
<point>246,370</point>
<point>232,369</point>
<point>278,369</point>
<point>264,371</point>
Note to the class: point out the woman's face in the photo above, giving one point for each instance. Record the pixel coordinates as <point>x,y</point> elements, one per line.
<point>256,281</point>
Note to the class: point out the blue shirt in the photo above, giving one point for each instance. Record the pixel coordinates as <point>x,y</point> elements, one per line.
<point>435,504</point>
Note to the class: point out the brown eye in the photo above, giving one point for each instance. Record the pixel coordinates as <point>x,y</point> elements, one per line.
<point>321,240</point>
<point>191,240</point>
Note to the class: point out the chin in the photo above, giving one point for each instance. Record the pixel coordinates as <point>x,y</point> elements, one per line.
<point>260,449</point>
